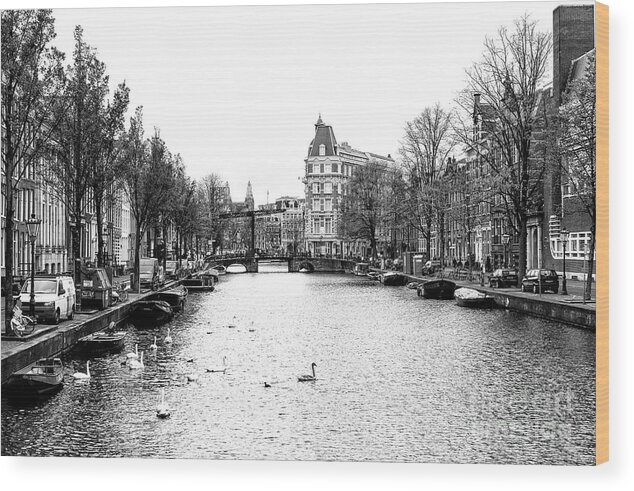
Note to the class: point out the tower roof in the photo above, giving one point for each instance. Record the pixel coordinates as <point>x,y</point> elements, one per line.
<point>323,136</point>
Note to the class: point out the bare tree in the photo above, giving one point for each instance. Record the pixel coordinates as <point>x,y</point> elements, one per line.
<point>77,139</point>
<point>32,77</point>
<point>577,125</point>
<point>508,80</point>
<point>148,178</point>
<point>365,209</point>
<point>213,199</point>
<point>425,147</point>
<point>104,172</point>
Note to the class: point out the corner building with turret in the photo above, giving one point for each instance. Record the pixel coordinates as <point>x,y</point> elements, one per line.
<point>328,168</point>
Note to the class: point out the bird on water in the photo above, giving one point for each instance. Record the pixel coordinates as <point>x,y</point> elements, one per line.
<point>308,378</point>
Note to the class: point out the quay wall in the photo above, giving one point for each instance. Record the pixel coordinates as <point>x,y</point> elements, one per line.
<point>547,306</point>
<point>58,341</point>
<point>320,265</point>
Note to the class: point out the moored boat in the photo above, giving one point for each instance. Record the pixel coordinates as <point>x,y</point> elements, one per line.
<point>373,275</point>
<point>413,285</point>
<point>146,312</point>
<point>468,297</point>
<point>392,279</point>
<point>44,376</point>
<point>236,268</point>
<point>439,289</point>
<point>220,268</point>
<point>176,297</point>
<point>103,341</point>
<point>361,269</point>
<point>199,283</point>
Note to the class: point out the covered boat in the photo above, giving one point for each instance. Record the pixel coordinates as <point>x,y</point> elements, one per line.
<point>439,289</point>
<point>361,269</point>
<point>200,283</point>
<point>236,268</point>
<point>468,297</point>
<point>176,297</point>
<point>146,312</point>
<point>103,341</point>
<point>44,376</point>
<point>373,275</point>
<point>393,279</point>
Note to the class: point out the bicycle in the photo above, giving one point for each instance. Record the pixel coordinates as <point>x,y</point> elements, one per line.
<point>120,294</point>
<point>23,325</point>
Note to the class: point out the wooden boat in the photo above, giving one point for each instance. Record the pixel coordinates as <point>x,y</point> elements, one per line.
<point>361,269</point>
<point>176,297</point>
<point>373,275</point>
<point>393,279</point>
<point>220,268</point>
<point>439,289</point>
<point>103,341</point>
<point>413,285</point>
<point>44,376</point>
<point>304,270</point>
<point>200,283</point>
<point>151,312</point>
<point>468,297</point>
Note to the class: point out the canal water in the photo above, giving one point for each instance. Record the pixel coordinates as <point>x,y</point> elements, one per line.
<point>399,378</point>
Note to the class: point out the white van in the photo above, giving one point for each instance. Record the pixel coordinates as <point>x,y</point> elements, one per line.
<point>54,297</point>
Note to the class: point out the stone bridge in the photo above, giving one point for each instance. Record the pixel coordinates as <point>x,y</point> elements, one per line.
<point>295,263</point>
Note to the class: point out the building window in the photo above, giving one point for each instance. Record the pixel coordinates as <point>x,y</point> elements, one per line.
<point>328,226</point>
<point>315,188</point>
<point>327,168</point>
<point>322,149</point>
<point>328,204</point>
<point>309,169</point>
<point>321,205</point>
<point>321,168</point>
<point>328,188</point>
<point>315,204</point>
<point>335,168</point>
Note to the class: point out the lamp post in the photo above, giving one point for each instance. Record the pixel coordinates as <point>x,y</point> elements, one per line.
<point>33,227</point>
<point>505,240</point>
<point>563,236</point>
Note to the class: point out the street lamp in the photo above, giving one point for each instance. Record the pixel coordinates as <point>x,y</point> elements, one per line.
<point>506,238</point>
<point>563,236</point>
<point>33,227</point>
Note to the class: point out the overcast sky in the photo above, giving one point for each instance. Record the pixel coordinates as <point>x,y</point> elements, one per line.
<point>237,90</point>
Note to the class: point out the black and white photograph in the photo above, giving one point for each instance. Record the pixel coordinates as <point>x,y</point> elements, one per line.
<point>351,233</point>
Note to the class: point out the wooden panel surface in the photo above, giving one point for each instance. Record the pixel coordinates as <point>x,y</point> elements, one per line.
<point>602,342</point>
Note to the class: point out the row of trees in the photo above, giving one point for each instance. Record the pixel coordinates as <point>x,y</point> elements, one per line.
<point>64,128</point>
<point>513,141</point>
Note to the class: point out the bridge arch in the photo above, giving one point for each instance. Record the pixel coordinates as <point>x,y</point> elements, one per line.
<point>307,265</point>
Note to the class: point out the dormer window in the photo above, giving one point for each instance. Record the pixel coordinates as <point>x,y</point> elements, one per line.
<point>322,149</point>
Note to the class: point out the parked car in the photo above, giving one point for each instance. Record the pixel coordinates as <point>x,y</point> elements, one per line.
<point>503,278</point>
<point>54,297</point>
<point>96,289</point>
<point>149,273</point>
<point>549,281</point>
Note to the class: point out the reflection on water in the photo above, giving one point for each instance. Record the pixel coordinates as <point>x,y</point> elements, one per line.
<point>399,379</point>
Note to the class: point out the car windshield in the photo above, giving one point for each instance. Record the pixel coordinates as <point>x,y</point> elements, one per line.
<point>41,286</point>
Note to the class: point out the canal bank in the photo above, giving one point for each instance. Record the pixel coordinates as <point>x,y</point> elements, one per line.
<point>567,309</point>
<point>54,340</point>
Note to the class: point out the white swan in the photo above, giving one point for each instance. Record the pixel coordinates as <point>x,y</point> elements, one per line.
<point>83,376</point>
<point>308,378</point>
<point>162,409</point>
<point>222,369</point>
<point>168,338</point>
<point>135,364</point>
<point>252,329</point>
<point>134,354</point>
<point>153,346</point>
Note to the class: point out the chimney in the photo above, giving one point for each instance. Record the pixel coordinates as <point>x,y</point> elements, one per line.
<point>476,99</point>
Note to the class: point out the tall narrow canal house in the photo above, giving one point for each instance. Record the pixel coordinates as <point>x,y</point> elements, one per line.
<point>328,168</point>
